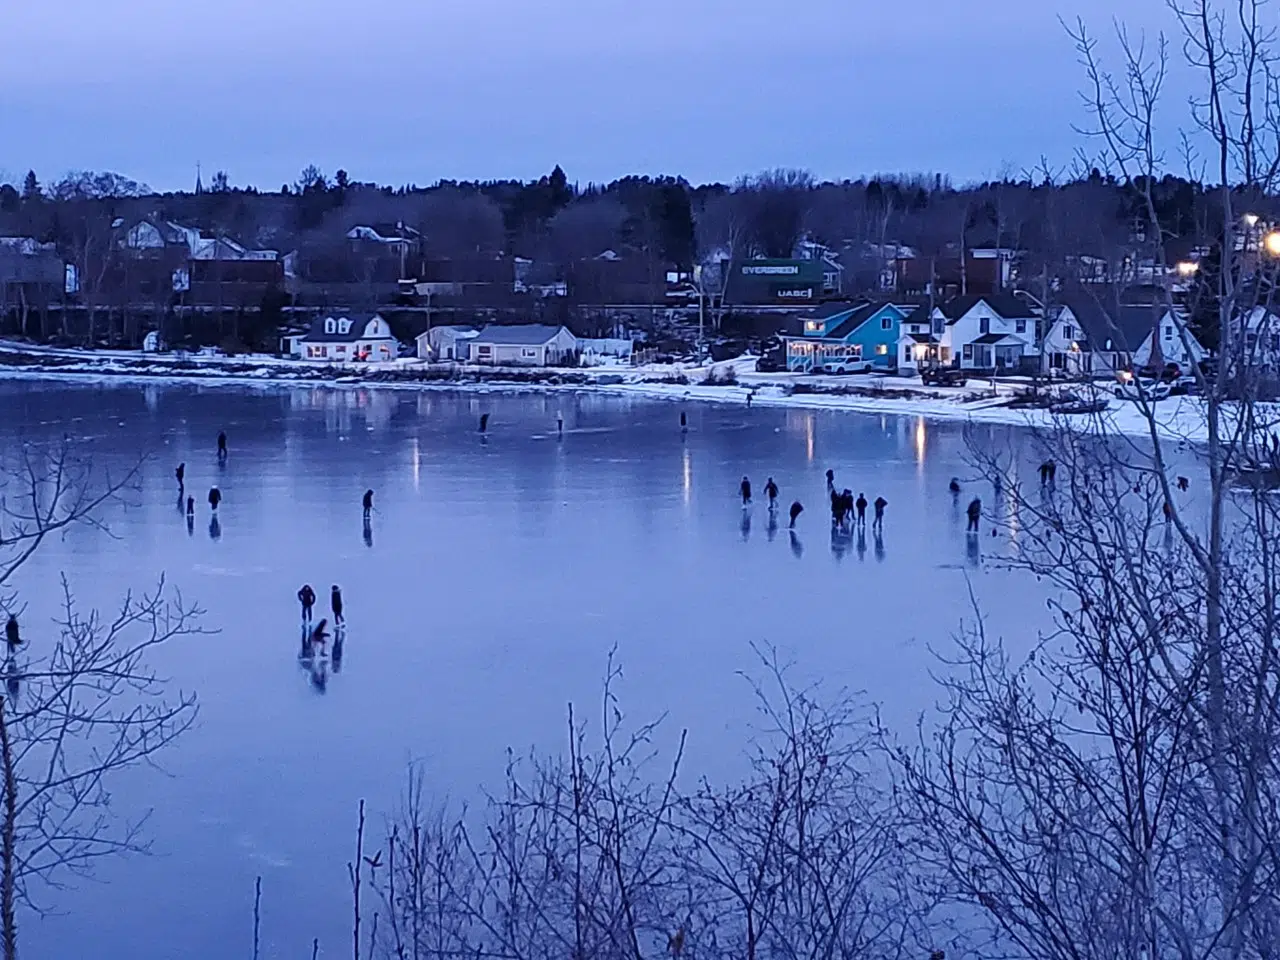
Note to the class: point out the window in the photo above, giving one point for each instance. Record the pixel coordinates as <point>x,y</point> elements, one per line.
<point>1068,332</point>
<point>984,325</point>
<point>939,325</point>
<point>529,353</point>
<point>344,325</point>
<point>484,350</point>
<point>331,325</point>
<point>906,354</point>
<point>1168,331</point>
<point>882,350</point>
<point>1021,326</point>
<point>886,323</point>
<point>340,348</point>
<point>968,351</point>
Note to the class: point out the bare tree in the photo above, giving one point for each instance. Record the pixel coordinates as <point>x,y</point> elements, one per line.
<point>83,701</point>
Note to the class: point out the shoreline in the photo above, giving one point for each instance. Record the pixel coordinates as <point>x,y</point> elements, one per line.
<point>1180,418</point>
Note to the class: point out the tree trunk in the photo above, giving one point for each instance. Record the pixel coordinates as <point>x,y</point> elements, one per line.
<point>8,925</point>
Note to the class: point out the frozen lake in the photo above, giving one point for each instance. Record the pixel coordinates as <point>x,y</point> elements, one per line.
<point>500,575</point>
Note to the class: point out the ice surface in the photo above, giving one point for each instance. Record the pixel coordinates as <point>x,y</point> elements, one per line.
<point>500,574</point>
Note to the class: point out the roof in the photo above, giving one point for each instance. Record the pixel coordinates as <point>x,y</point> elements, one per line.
<point>519,334</point>
<point>359,321</point>
<point>921,314</point>
<point>833,308</point>
<point>1124,325</point>
<point>922,338</point>
<point>988,338</point>
<point>1004,304</point>
<point>861,316</point>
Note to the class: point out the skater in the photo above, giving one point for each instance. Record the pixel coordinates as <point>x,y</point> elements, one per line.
<point>797,508</point>
<point>846,504</point>
<point>954,486</point>
<point>484,423</point>
<point>368,504</point>
<point>1044,473</point>
<point>837,509</point>
<point>771,489</point>
<point>306,597</point>
<point>181,474</point>
<point>335,603</point>
<point>11,636</point>
<point>831,481</point>
<point>745,489</point>
<point>1183,483</point>
<point>880,504</point>
<point>684,422</point>
<point>215,498</point>
<point>222,445</point>
<point>749,395</point>
<point>191,507</point>
<point>975,514</point>
<point>320,635</point>
<point>862,509</point>
<point>560,424</point>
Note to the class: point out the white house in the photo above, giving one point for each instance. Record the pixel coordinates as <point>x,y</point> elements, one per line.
<point>348,337</point>
<point>992,332</point>
<point>1090,337</point>
<point>529,344</point>
<point>445,343</point>
<point>1254,342</point>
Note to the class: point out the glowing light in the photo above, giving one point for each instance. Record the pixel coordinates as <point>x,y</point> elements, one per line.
<point>1271,242</point>
<point>687,470</point>
<point>417,465</point>
<point>920,440</point>
<point>808,436</point>
<point>1186,268</point>
<point>1250,220</point>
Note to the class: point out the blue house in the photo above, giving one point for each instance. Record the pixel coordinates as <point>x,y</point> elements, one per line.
<point>847,337</point>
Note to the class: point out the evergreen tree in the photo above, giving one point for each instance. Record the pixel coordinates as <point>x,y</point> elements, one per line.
<point>31,187</point>
<point>9,200</point>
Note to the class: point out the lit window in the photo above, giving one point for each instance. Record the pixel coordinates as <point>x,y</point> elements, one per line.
<point>331,325</point>
<point>344,326</point>
<point>882,350</point>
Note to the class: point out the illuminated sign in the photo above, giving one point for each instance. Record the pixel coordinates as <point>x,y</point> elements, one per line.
<point>771,270</point>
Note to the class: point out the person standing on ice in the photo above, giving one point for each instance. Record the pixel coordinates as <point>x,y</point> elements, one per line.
<point>831,481</point>
<point>975,514</point>
<point>771,490</point>
<point>368,503</point>
<point>306,597</point>
<point>560,424</point>
<point>11,636</point>
<point>215,498</point>
<point>484,423</point>
<point>684,422</point>
<point>181,474</point>
<point>335,603</point>
<point>745,489</point>
<point>862,509</point>
<point>797,508</point>
<point>222,445</point>
<point>880,504</point>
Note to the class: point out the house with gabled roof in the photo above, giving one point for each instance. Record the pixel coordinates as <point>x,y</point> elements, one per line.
<point>524,344</point>
<point>840,337</point>
<point>988,332</point>
<point>346,337</point>
<point>1089,336</point>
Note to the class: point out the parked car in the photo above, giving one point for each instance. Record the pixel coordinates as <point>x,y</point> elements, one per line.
<point>943,377</point>
<point>1134,388</point>
<point>841,367</point>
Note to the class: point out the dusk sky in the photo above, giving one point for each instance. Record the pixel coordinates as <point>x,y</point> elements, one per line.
<point>405,91</point>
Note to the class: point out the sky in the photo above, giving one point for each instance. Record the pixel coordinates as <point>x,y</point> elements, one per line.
<point>413,91</point>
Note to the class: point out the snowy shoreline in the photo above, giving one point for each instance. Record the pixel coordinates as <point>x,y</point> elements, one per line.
<point>1178,417</point>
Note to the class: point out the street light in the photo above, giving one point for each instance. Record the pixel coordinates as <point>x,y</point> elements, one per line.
<point>1250,220</point>
<point>1271,243</point>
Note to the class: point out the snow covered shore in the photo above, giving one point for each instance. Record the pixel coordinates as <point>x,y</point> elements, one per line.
<point>980,402</point>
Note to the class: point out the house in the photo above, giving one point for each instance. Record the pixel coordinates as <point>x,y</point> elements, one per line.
<point>529,344</point>
<point>1089,337</point>
<point>445,343</point>
<point>347,337</point>
<point>989,332</point>
<point>840,334</point>
<point>1259,349</point>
